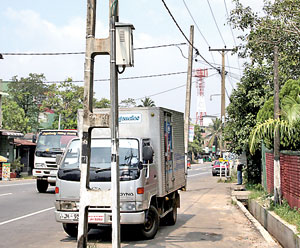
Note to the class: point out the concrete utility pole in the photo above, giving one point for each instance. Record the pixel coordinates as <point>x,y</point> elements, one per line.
<point>277,187</point>
<point>114,126</point>
<point>223,52</point>
<point>88,196</point>
<point>188,97</point>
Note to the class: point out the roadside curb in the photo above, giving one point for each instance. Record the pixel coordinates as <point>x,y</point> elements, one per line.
<point>255,222</point>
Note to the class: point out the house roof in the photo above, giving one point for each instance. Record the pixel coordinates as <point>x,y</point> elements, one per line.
<point>12,133</point>
<point>20,142</point>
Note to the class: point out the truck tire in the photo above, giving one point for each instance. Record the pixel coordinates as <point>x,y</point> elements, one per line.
<point>41,185</point>
<point>150,227</point>
<point>171,218</point>
<point>71,229</point>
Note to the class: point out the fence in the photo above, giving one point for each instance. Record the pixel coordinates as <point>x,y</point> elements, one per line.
<point>289,174</point>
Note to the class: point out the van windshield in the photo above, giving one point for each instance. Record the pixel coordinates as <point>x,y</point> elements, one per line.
<point>101,154</point>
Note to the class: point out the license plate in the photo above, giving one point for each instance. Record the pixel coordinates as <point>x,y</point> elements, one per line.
<point>69,216</point>
<point>96,218</point>
<point>93,217</point>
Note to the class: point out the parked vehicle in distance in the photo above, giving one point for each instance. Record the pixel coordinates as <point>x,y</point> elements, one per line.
<point>49,144</point>
<point>151,165</point>
<point>223,164</point>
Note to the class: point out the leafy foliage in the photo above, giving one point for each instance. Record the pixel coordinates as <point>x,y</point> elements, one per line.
<point>65,99</point>
<point>147,102</point>
<point>245,102</point>
<point>196,146</point>
<point>288,125</point>
<point>215,131</point>
<point>14,116</point>
<point>29,93</point>
<point>103,103</point>
<point>128,103</point>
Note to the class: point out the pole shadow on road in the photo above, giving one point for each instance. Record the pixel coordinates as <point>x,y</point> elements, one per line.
<point>164,236</point>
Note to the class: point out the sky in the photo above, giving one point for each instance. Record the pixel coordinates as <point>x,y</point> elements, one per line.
<point>40,26</point>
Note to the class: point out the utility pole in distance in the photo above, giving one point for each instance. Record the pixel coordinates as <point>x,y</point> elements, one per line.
<point>277,189</point>
<point>223,52</point>
<point>188,97</point>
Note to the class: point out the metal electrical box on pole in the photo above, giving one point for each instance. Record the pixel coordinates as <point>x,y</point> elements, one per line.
<point>119,46</point>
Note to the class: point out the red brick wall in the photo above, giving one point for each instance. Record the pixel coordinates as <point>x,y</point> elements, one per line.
<point>290,177</point>
<point>270,172</point>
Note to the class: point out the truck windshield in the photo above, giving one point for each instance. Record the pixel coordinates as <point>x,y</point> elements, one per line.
<point>54,140</point>
<point>101,154</point>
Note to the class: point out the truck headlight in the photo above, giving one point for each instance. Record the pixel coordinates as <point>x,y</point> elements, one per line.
<point>127,206</point>
<point>39,165</point>
<point>67,205</point>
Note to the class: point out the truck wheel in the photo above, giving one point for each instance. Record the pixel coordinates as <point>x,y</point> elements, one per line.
<point>71,229</point>
<point>171,218</point>
<point>150,227</point>
<point>41,185</point>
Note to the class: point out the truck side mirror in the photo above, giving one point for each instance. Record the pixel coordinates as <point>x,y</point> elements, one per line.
<point>148,154</point>
<point>58,158</point>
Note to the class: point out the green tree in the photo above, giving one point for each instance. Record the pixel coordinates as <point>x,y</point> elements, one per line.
<point>288,124</point>
<point>147,102</point>
<point>196,146</point>
<point>103,103</point>
<point>14,117</point>
<point>277,25</point>
<point>215,133</point>
<point>128,103</point>
<point>29,93</point>
<point>65,99</point>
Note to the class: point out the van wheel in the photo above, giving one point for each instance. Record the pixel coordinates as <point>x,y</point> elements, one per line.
<point>150,227</point>
<point>171,218</point>
<point>71,229</point>
<point>41,185</point>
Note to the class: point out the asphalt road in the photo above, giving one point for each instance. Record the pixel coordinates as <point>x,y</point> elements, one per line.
<point>206,218</point>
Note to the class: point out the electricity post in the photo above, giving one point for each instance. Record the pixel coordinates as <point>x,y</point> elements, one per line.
<point>121,54</point>
<point>277,188</point>
<point>114,125</point>
<point>188,97</point>
<point>223,89</point>
<point>223,52</point>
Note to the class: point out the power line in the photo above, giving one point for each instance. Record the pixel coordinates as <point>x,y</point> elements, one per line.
<point>198,28</point>
<point>197,51</point>
<point>81,53</point>
<point>212,13</point>
<point>234,40</point>
<point>177,87</point>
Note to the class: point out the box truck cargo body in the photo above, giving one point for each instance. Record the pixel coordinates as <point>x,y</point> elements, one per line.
<point>152,170</point>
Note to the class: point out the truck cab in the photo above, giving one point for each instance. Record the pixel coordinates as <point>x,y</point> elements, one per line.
<point>49,144</point>
<point>151,170</point>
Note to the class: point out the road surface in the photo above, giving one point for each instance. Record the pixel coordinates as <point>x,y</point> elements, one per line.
<point>206,218</point>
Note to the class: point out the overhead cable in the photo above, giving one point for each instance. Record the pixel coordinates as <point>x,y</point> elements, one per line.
<point>197,51</point>
<point>212,13</point>
<point>198,28</point>
<point>177,87</point>
<point>80,53</point>
<point>232,35</point>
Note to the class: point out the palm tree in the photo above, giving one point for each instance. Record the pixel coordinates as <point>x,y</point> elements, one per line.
<point>290,112</point>
<point>215,133</point>
<point>147,102</point>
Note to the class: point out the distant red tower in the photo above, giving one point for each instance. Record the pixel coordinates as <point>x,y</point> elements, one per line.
<point>200,85</point>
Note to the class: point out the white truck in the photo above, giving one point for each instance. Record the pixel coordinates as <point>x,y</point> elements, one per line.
<point>49,144</point>
<point>152,171</point>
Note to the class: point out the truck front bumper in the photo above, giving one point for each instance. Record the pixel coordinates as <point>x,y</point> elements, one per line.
<point>46,174</point>
<point>101,217</point>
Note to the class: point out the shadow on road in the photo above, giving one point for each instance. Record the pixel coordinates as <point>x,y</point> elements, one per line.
<point>130,237</point>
